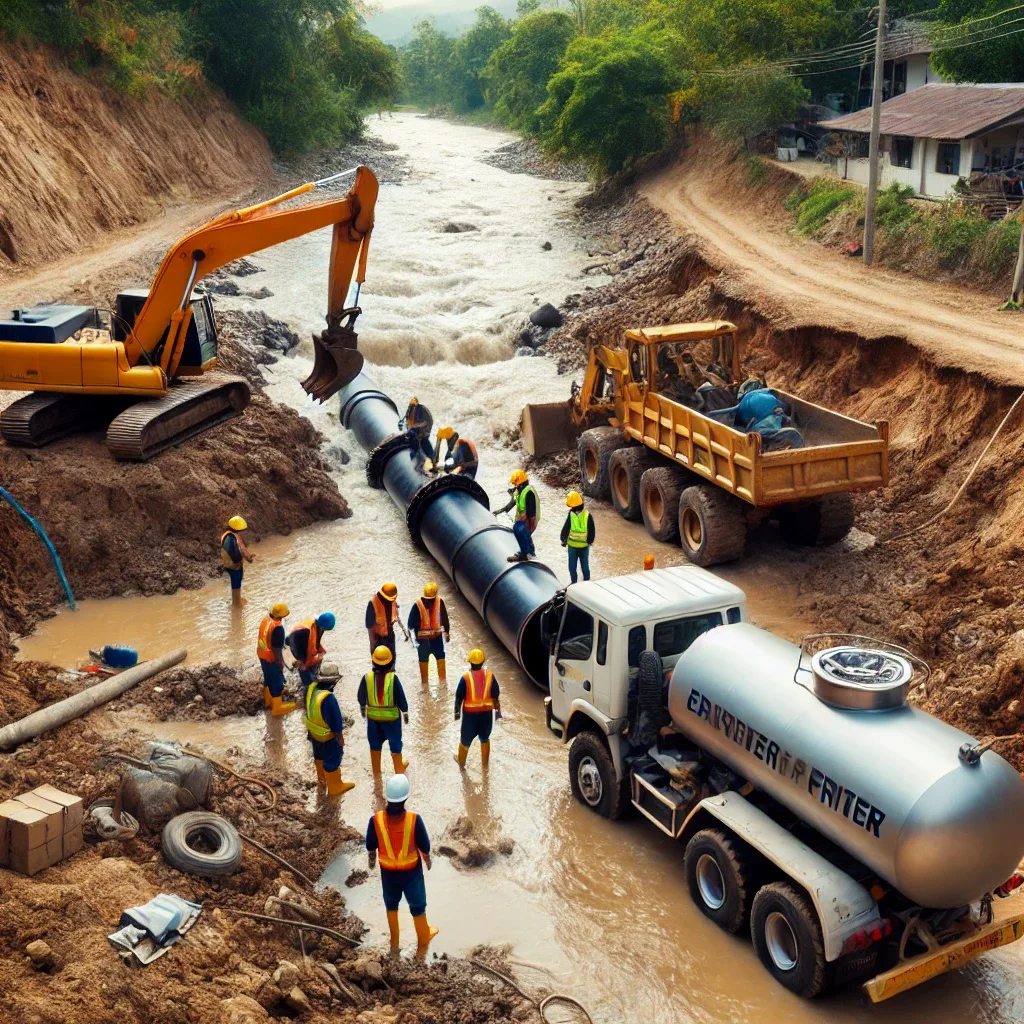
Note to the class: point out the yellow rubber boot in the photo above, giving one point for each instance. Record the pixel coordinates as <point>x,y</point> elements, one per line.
<point>335,785</point>
<point>441,670</point>
<point>424,933</point>
<point>266,697</point>
<point>460,757</point>
<point>399,763</point>
<point>485,753</point>
<point>393,927</point>
<point>375,761</point>
<point>424,672</point>
<point>278,707</point>
<point>321,776</point>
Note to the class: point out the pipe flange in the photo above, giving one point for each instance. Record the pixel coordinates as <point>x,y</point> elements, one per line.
<point>349,404</point>
<point>379,456</point>
<point>454,567</point>
<point>420,501</point>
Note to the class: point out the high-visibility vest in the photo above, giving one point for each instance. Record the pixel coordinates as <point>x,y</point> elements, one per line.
<point>382,627</point>
<point>521,502</point>
<point>462,460</point>
<point>478,690</point>
<point>387,710</point>
<point>229,562</point>
<point>315,724</point>
<point>313,655</point>
<point>407,856</point>
<point>578,522</point>
<point>263,649</point>
<point>430,622</point>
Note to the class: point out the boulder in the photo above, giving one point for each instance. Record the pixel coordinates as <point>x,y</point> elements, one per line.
<point>40,954</point>
<point>298,1001</point>
<point>524,351</point>
<point>546,316</point>
<point>242,1010</point>
<point>546,247</point>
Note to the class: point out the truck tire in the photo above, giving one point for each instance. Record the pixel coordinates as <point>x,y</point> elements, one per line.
<point>712,525</point>
<point>595,448</point>
<point>660,489</point>
<point>592,777</point>
<point>826,521</point>
<point>717,876</point>
<point>625,468</point>
<point>651,705</point>
<point>224,847</point>
<point>787,937</point>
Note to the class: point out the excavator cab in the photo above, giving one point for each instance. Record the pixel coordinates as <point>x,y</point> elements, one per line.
<point>200,350</point>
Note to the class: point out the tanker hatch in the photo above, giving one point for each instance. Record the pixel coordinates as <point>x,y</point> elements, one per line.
<point>855,676</point>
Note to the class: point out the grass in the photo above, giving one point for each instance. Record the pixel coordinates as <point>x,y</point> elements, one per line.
<point>819,202</point>
<point>757,170</point>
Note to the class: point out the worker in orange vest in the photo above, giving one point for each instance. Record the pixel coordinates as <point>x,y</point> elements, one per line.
<point>399,839</point>
<point>381,615</point>
<point>270,651</point>
<point>305,643</point>
<point>477,703</point>
<point>232,553</point>
<point>324,726</point>
<point>461,458</point>
<point>382,703</point>
<point>428,622</point>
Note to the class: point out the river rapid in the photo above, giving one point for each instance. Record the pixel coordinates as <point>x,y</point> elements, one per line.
<point>603,905</point>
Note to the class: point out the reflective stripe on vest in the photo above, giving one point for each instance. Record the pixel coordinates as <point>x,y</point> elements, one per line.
<point>430,622</point>
<point>387,710</point>
<point>313,656</point>
<point>263,649</point>
<point>315,723</point>
<point>578,529</point>
<point>382,627</point>
<point>521,502</point>
<point>408,856</point>
<point>478,691</point>
<point>229,562</point>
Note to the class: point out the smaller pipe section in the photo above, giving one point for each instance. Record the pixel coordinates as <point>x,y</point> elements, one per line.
<point>46,540</point>
<point>73,707</point>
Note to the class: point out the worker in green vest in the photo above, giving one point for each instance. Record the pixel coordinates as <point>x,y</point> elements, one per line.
<point>523,498</point>
<point>383,704</point>
<point>577,535</point>
<point>324,727</point>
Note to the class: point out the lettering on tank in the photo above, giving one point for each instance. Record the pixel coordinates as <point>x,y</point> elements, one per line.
<point>823,788</point>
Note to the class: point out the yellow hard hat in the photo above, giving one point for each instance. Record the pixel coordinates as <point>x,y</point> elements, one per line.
<point>237,523</point>
<point>574,499</point>
<point>430,590</point>
<point>443,433</point>
<point>390,591</point>
<point>381,655</point>
<point>477,656</point>
<point>279,611</point>
<point>414,401</point>
<point>518,477</point>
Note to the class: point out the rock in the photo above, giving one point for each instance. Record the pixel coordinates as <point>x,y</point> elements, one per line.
<point>524,350</point>
<point>356,877</point>
<point>298,1001</point>
<point>262,293</point>
<point>546,247</point>
<point>455,227</point>
<point>241,268</point>
<point>546,316</point>
<point>286,977</point>
<point>221,287</point>
<point>40,954</point>
<point>242,1010</point>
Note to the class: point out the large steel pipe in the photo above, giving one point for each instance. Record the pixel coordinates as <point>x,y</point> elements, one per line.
<point>450,517</point>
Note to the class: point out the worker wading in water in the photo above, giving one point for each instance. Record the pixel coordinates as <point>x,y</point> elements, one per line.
<point>233,553</point>
<point>428,622</point>
<point>400,839</point>
<point>381,616</point>
<point>461,457</point>
<point>304,641</point>
<point>577,535</point>
<point>324,727</point>
<point>382,703</point>
<point>527,514</point>
<point>477,703</point>
<point>270,651</point>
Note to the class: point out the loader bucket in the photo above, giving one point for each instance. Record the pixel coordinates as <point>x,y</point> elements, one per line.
<point>548,428</point>
<point>336,362</point>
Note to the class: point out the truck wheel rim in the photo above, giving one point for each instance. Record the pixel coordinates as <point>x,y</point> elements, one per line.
<point>589,777</point>
<point>781,941</point>
<point>710,882</point>
<point>655,506</point>
<point>590,466</point>
<point>620,481</point>
<point>692,532</point>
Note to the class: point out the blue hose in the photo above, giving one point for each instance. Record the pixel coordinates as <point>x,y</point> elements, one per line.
<point>46,540</point>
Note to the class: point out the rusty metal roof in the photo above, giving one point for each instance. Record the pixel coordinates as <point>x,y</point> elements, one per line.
<point>940,111</point>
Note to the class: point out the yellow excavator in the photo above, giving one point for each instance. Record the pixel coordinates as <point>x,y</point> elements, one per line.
<point>160,345</point>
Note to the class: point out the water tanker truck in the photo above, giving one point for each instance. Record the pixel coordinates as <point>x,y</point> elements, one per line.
<point>856,836</point>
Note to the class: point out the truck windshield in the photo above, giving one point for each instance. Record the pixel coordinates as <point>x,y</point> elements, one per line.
<point>674,636</point>
<point>577,634</point>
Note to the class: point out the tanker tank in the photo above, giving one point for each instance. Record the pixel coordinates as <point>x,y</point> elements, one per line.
<point>887,785</point>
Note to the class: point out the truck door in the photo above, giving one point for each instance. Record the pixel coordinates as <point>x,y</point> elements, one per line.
<point>574,657</point>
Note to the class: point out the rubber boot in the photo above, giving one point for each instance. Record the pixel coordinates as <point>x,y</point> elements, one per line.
<point>424,672</point>
<point>321,775</point>
<point>266,697</point>
<point>460,757</point>
<point>375,761</point>
<point>279,707</point>
<point>442,672</point>
<point>485,753</point>
<point>393,928</point>
<point>399,763</point>
<point>335,785</point>
<point>424,933</point>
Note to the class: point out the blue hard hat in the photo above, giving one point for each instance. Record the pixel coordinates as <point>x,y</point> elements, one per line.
<point>326,620</point>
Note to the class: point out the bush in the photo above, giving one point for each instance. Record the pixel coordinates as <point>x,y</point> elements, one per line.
<point>823,198</point>
<point>893,210</point>
<point>757,170</point>
<point>955,232</point>
<point>751,101</point>
<point>996,250</point>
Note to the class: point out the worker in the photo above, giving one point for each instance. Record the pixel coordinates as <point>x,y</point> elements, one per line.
<point>381,616</point>
<point>400,838</point>
<point>477,703</point>
<point>232,553</point>
<point>577,535</point>
<point>428,622</point>
<point>461,456</point>
<point>418,423</point>
<point>324,726</point>
<point>527,505</point>
<point>305,643</point>
<point>382,703</point>
<point>270,651</point>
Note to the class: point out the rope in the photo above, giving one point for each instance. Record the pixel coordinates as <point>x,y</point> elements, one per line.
<point>238,775</point>
<point>333,933</point>
<point>280,860</point>
<point>542,1004</point>
<point>46,540</point>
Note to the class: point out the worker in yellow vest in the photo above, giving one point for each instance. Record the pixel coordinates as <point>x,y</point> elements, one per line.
<point>398,838</point>
<point>270,651</point>
<point>382,703</point>
<point>324,727</point>
<point>477,703</point>
<point>428,622</point>
<point>577,535</point>
<point>523,498</point>
<point>233,552</point>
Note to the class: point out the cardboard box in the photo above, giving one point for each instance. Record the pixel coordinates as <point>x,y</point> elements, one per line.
<point>74,810</point>
<point>26,827</point>
<point>53,813</point>
<point>52,852</point>
<point>39,829</point>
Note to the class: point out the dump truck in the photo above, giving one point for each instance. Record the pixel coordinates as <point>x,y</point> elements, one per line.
<point>659,440</point>
<point>853,835</point>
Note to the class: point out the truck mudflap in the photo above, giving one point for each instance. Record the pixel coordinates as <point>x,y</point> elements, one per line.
<point>1006,926</point>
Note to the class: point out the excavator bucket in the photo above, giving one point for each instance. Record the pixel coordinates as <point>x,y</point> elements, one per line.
<point>336,361</point>
<point>548,428</point>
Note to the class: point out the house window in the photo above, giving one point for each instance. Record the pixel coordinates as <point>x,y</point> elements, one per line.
<point>903,151</point>
<point>863,147</point>
<point>899,81</point>
<point>948,160</point>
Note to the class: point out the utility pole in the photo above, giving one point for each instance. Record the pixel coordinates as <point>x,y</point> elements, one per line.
<point>876,121</point>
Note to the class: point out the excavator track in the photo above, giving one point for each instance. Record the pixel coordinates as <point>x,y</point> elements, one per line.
<point>149,427</point>
<point>41,418</point>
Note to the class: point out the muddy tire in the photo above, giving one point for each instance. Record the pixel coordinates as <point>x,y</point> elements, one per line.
<point>592,777</point>
<point>222,848</point>
<point>596,446</point>
<point>823,522</point>
<point>712,525</point>
<point>626,467</point>
<point>717,876</point>
<point>787,939</point>
<point>660,489</point>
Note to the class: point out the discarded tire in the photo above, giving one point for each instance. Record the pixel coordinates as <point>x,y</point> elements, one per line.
<point>625,468</point>
<point>712,525</point>
<point>595,448</point>
<point>202,843</point>
<point>660,489</point>
<point>824,522</point>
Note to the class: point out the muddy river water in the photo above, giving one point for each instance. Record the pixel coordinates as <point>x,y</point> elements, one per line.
<point>603,904</point>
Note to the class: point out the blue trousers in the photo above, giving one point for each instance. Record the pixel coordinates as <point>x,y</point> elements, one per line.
<point>432,646</point>
<point>581,556</point>
<point>476,725</point>
<point>378,732</point>
<point>307,675</point>
<point>330,752</point>
<point>525,538</point>
<point>236,578</point>
<point>409,884</point>
<point>273,678</point>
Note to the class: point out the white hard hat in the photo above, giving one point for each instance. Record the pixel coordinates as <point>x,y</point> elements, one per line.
<point>397,789</point>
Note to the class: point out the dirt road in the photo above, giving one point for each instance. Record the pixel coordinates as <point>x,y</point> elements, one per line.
<point>800,283</point>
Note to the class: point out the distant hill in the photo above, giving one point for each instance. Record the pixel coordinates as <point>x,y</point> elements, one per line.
<point>395,24</point>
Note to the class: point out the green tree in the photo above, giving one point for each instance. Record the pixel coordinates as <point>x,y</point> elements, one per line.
<point>752,100</point>
<point>362,62</point>
<point>985,59</point>
<point>470,55</point>
<point>426,64</point>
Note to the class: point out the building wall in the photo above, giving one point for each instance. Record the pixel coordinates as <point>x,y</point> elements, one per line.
<point>920,72</point>
<point>921,176</point>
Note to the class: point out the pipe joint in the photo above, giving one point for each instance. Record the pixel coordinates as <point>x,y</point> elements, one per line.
<point>379,457</point>
<point>421,500</point>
